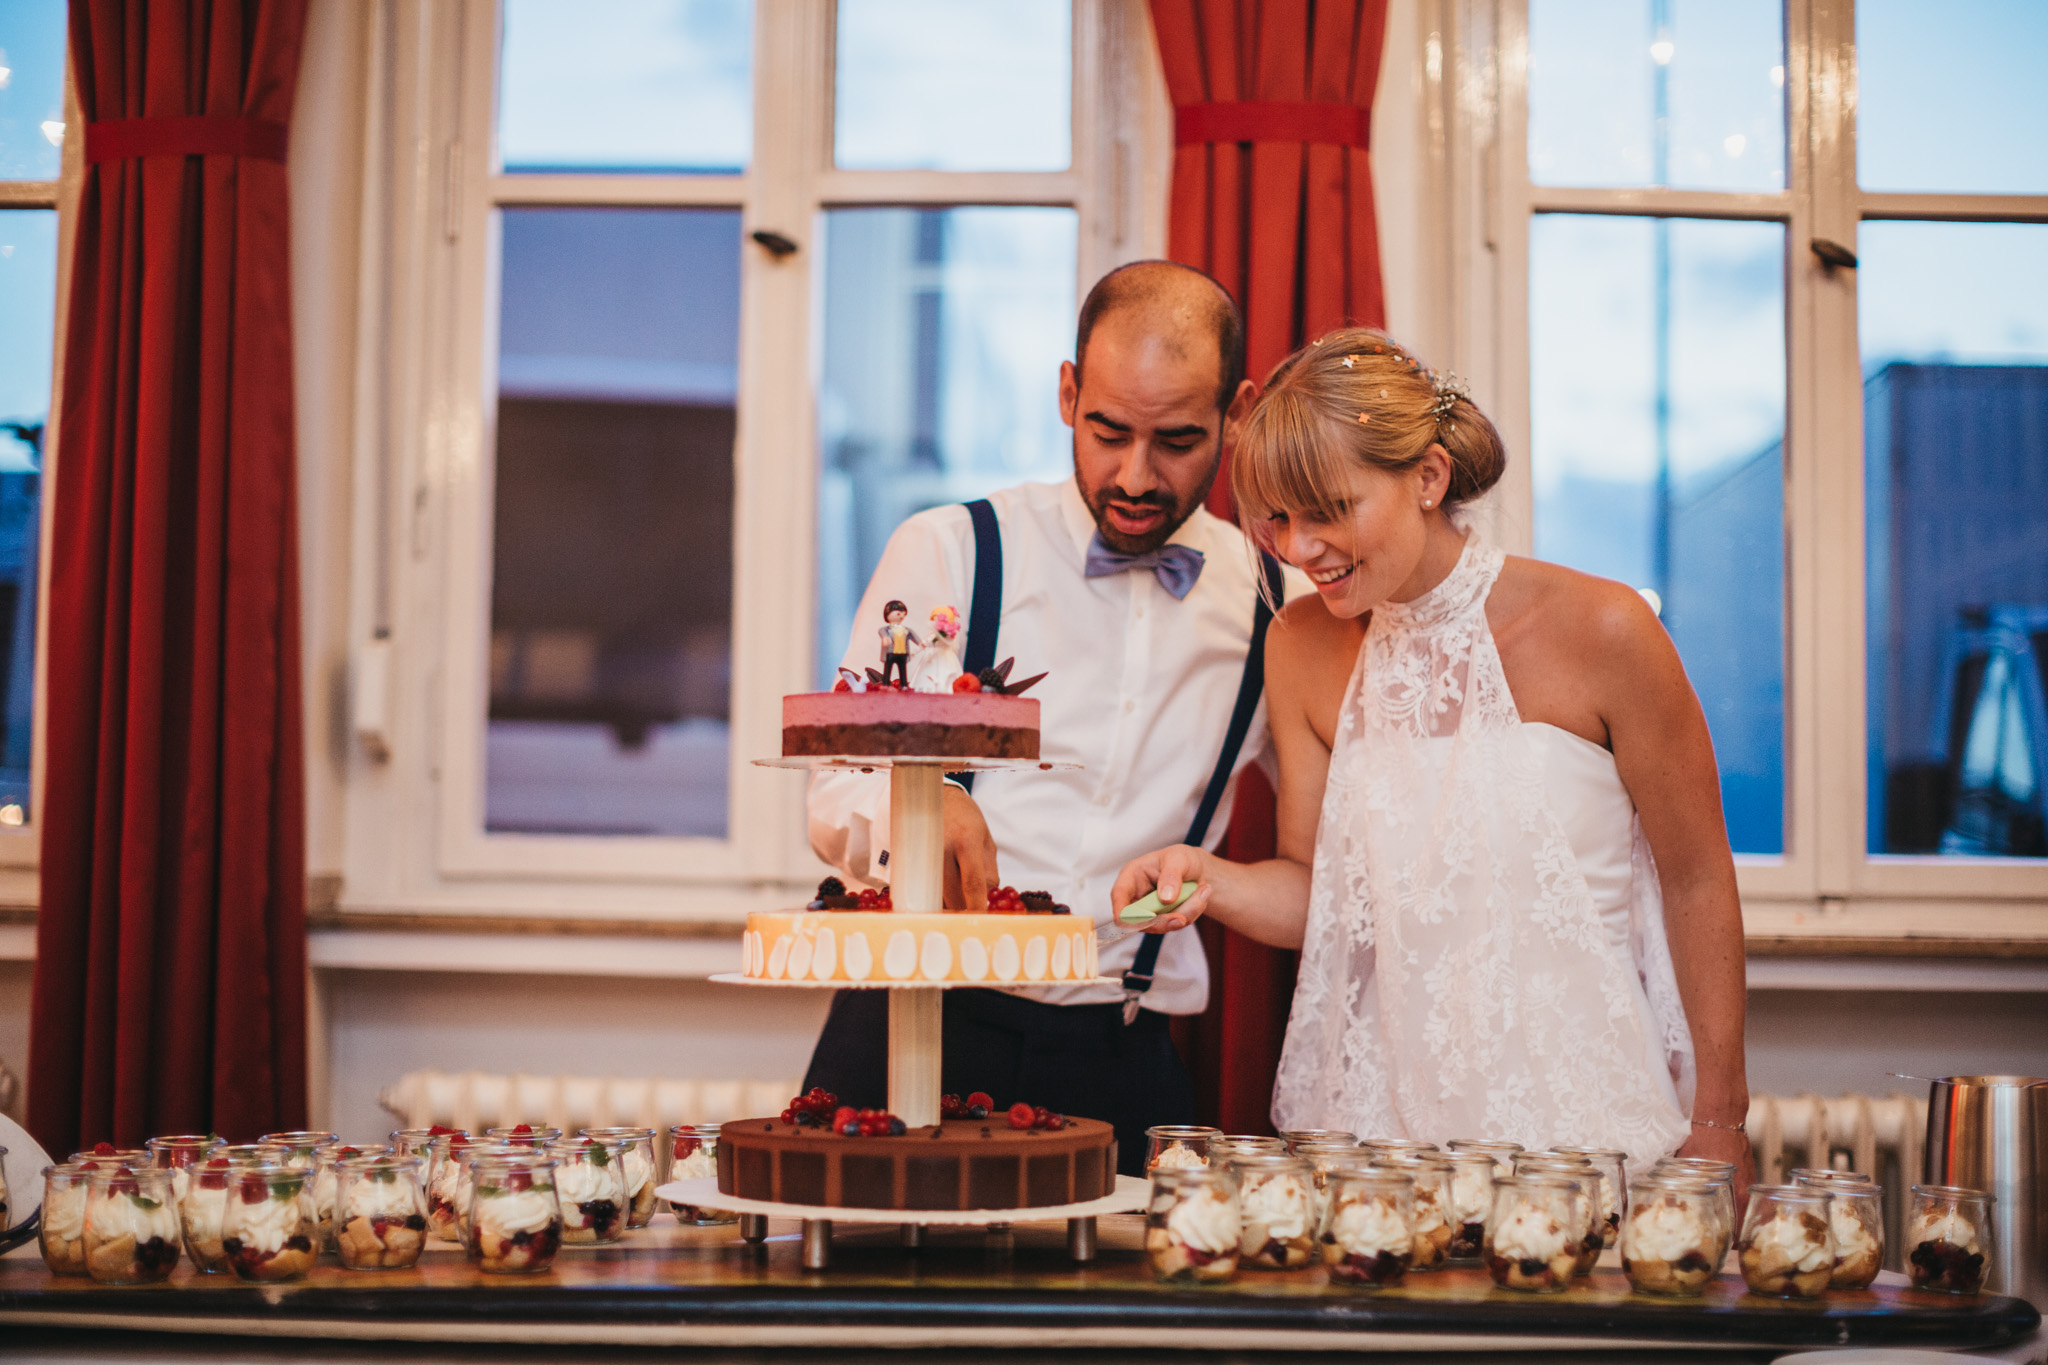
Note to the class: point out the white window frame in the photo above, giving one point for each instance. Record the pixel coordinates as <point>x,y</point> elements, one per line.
<point>421,538</point>
<point>1469,91</point>
<point>21,845</point>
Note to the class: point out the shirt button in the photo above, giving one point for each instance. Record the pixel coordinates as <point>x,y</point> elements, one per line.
<point>1129,707</point>
<point>1141,613</point>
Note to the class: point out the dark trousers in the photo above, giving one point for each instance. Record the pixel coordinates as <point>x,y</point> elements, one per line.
<point>899,664</point>
<point>1073,1059</point>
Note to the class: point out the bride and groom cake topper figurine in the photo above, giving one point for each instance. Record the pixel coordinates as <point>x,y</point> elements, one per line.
<point>937,665</point>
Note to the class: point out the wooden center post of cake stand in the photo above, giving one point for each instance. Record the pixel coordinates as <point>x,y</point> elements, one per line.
<point>917,880</point>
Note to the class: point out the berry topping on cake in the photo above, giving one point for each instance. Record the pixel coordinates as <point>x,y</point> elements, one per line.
<point>967,682</point>
<point>1022,1115</point>
<point>832,895</point>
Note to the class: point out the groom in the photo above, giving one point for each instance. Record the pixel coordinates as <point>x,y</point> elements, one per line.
<point>1144,610</point>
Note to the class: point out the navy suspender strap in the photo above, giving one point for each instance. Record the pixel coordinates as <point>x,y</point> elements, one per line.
<point>1250,687</point>
<point>985,611</point>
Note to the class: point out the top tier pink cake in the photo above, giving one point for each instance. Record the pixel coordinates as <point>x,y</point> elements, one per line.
<point>888,723</point>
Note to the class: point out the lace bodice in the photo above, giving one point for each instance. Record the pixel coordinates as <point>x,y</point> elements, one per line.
<point>1457,978</point>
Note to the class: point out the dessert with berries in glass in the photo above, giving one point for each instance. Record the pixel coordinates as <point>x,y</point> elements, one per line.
<point>204,1209</point>
<point>381,1212</point>
<point>524,1135</point>
<point>638,1146</point>
<point>179,1153</point>
<point>1597,1202</point>
<point>1193,1223</point>
<point>465,1161</point>
<point>515,1216</point>
<point>693,1155</point>
<point>269,1229</point>
<point>1502,1152</point>
<point>1368,1234</point>
<point>1277,1206</point>
<point>325,1189</point>
<point>1672,1241</point>
<point>1613,1168</point>
<point>1178,1147</point>
<point>62,1234</point>
<point>1471,1205</point>
<point>590,1183</point>
<point>1787,1244</point>
<point>1948,1236</point>
<point>107,1154</point>
<point>444,1180</point>
<point>1430,1211</point>
<point>131,1225</point>
<point>302,1149</point>
<point>1539,1225</point>
<point>1856,1217</point>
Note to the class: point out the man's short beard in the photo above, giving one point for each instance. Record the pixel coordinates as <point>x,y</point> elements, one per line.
<point>1176,516</point>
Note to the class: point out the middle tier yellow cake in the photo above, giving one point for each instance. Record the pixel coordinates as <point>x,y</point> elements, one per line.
<point>890,945</point>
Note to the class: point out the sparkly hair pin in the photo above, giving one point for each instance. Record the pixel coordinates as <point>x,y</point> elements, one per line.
<point>1449,389</point>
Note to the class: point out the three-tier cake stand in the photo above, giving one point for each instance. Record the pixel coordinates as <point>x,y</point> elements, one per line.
<point>917,861</point>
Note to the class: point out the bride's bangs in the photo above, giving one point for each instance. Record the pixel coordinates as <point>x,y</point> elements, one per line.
<point>1288,460</point>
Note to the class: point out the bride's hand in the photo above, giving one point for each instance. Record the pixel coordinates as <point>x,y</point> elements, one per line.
<point>1165,869</point>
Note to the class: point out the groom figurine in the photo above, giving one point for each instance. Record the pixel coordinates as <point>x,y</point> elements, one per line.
<point>1145,611</point>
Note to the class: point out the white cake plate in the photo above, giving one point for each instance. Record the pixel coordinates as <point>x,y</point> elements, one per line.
<point>867,763</point>
<point>1131,1194</point>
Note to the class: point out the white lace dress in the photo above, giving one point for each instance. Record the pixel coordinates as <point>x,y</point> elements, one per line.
<point>1485,953</point>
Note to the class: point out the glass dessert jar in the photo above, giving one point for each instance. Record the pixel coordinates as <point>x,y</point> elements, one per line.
<point>1294,1137</point>
<point>1501,1150</point>
<point>1719,1174</point>
<point>1369,1234</point>
<point>1598,1198</point>
<point>131,1225</point>
<point>107,1154</point>
<point>464,1159</point>
<point>1324,1157</point>
<point>415,1141</point>
<point>1228,1146</point>
<point>380,1211</point>
<point>1472,1176</point>
<point>1822,1175</point>
<point>180,1152</point>
<point>1672,1239</point>
<point>1430,1209</point>
<point>1856,1217</point>
<point>325,1189</point>
<point>515,1216</point>
<point>525,1135</point>
<point>62,1235</point>
<point>445,1174</point>
<point>1538,1226</point>
<point>1387,1146</point>
<point>1178,1147</point>
<point>301,1149</point>
<point>1948,1238</point>
<point>590,1184</point>
<point>268,1230</point>
<point>639,1168</point>
<point>1613,1168</point>
<point>693,1155</point>
<point>204,1209</point>
<point>1277,1208</point>
<point>1193,1223</point>
<point>1788,1248</point>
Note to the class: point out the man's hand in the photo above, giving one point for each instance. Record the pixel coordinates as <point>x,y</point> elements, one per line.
<point>1167,869</point>
<point>970,853</point>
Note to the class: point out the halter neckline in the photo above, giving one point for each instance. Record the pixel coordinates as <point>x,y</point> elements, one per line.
<point>1464,588</point>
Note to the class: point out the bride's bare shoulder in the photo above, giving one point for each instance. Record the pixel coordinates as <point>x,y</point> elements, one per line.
<point>1565,605</point>
<point>1305,629</point>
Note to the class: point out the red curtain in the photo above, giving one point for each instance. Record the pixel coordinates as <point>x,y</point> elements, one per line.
<point>170,950</point>
<point>1272,194</point>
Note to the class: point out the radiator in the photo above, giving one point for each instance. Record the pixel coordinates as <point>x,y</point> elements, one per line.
<point>1884,1137</point>
<point>477,1100</point>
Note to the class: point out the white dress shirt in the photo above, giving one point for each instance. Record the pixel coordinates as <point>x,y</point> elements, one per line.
<point>1139,692</point>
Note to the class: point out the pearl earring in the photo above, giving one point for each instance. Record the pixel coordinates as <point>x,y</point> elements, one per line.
<point>1427,504</point>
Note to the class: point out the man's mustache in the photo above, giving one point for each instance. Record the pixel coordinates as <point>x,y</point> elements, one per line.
<point>1152,499</point>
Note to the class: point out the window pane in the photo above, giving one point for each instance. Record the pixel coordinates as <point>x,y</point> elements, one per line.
<point>31,89</point>
<point>1657,407</point>
<point>611,595</point>
<point>627,85</point>
<point>1682,93</point>
<point>28,309</point>
<point>954,85</point>
<point>1950,96</point>
<point>1955,440</point>
<point>944,333</point>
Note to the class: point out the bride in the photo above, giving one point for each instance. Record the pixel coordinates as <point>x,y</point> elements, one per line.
<point>1501,850</point>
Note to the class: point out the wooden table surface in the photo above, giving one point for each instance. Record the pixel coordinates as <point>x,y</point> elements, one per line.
<point>669,1285</point>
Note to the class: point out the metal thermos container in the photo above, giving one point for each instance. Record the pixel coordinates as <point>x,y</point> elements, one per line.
<point>1990,1133</point>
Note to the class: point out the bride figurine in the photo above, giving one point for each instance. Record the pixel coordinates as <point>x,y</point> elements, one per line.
<point>939,662</point>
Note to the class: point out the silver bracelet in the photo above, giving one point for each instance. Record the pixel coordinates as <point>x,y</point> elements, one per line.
<point>1724,1127</point>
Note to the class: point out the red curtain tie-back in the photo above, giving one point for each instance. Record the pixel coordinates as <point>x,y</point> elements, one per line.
<point>1341,125</point>
<point>116,139</point>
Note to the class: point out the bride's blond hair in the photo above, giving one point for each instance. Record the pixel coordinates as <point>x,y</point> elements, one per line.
<point>1354,397</point>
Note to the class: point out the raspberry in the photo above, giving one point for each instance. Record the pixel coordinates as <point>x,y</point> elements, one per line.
<point>845,1113</point>
<point>967,682</point>
<point>1021,1115</point>
<point>842,686</point>
<point>981,1098</point>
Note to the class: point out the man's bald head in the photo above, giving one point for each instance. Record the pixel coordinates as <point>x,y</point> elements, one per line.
<point>1175,305</point>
